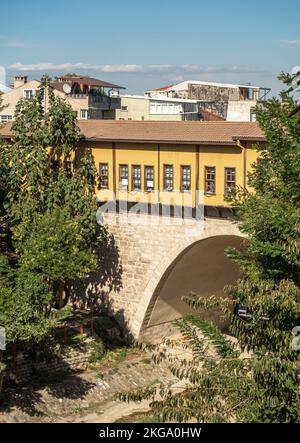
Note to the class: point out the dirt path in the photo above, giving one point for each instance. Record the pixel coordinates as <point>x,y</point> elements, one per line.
<point>113,411</point>
<point>86,397</point>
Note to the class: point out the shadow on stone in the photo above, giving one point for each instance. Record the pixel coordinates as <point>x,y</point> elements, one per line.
<point>28,395</point>
<point>93,292</point>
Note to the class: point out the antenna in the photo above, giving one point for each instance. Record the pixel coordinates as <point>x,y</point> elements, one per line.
<point>67,88</point>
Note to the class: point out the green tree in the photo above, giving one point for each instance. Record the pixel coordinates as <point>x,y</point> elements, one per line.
<point>4,230</point>
<point>255,376</point>
<point>2,185</point>
<point>50,208</point>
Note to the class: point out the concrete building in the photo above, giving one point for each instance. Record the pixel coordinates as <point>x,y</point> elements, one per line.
<point>94,99</point>
<point>231,102</point>
<point>90,98</point>
<point>139,107</point>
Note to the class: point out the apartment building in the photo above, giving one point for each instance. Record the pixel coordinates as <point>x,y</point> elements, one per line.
<point>139,107</point>
<point>90,98</point>
<point>231,102</point>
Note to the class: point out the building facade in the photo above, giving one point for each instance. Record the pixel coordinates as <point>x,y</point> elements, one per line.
<point>139,107</point>
<point>231,102</point>
<point>90,98</point>
<point>170,164</point>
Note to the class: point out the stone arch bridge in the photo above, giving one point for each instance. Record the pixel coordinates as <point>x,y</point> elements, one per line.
<point>152,261</point>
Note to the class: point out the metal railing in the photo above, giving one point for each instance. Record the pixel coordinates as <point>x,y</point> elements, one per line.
<point>100,101</point>
<point>81,96</point>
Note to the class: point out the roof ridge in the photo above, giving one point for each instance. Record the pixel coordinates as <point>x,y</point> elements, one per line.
<point>168,122</point>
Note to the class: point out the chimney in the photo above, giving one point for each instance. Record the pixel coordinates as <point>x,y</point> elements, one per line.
<point>19,81</point>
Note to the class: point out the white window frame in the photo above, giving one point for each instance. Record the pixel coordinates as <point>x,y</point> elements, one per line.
<point>149,178</point>
<point>83,114</point>
<point>152,108</point>
<point>5,118</point>
<point>171,108</point>
<point>123,177</point>
<point>158,108</point>
<point>176,108</point>
<point>168,177</point>
<point>136,178</point>
<point>32,91</point>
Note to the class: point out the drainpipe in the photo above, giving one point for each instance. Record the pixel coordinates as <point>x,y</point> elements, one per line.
<point>244,149</point>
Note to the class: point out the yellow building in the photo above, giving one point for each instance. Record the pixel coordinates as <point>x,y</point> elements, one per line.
<point>170,164</point>
<point>177,164</point>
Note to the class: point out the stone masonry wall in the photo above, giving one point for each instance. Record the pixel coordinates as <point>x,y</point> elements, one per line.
<point>144,247</point>
<point>23,368</point>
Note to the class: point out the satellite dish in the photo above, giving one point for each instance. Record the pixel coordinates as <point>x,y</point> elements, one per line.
<point>67,88</point>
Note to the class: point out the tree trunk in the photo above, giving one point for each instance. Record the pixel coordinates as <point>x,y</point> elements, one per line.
<point>61,294</point>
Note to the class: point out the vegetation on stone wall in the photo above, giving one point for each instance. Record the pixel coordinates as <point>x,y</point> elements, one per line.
<point>254,375</point>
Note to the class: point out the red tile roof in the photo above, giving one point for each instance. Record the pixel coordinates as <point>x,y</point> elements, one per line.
<point>215,132</point>
<point>209,116</point>
<point>89,81</point>
<point>162,88</point>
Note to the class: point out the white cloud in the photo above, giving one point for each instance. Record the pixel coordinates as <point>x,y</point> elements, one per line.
<point>175,70</point>
<point>293,43</point>
<point>75,66</point>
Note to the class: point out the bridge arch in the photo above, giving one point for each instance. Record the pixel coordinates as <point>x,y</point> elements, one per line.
<point>201,268</point>
<point>147,252</point>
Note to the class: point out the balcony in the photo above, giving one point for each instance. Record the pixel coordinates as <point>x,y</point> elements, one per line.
<point>104,102</point>
<point>78,96</point>
<point>98,102</point>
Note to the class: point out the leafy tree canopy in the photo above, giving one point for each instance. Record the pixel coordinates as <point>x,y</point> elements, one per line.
<point>50,212</point>
<point>254,375</point>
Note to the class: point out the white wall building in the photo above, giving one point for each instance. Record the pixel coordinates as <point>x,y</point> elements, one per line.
<point>140,107</point>
<point>232,102</point>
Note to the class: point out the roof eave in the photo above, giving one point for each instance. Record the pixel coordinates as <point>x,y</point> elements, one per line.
<point>176,142</point>
<point>248,138</point>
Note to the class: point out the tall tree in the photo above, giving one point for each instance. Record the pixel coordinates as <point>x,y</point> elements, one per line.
<point>256,377</point>
<point>2,187</point>
<point>51,209</point>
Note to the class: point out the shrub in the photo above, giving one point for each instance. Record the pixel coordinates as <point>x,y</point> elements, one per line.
<point>98,351</point>
<point>102,324</point>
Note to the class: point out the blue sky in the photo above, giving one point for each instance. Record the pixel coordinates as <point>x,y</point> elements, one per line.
<point>146,44</point>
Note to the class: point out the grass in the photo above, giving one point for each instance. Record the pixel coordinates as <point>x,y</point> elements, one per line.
<point>76,410</point>
<point>78,338</point>
<point>139,417</point>
<point>117,356</point>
